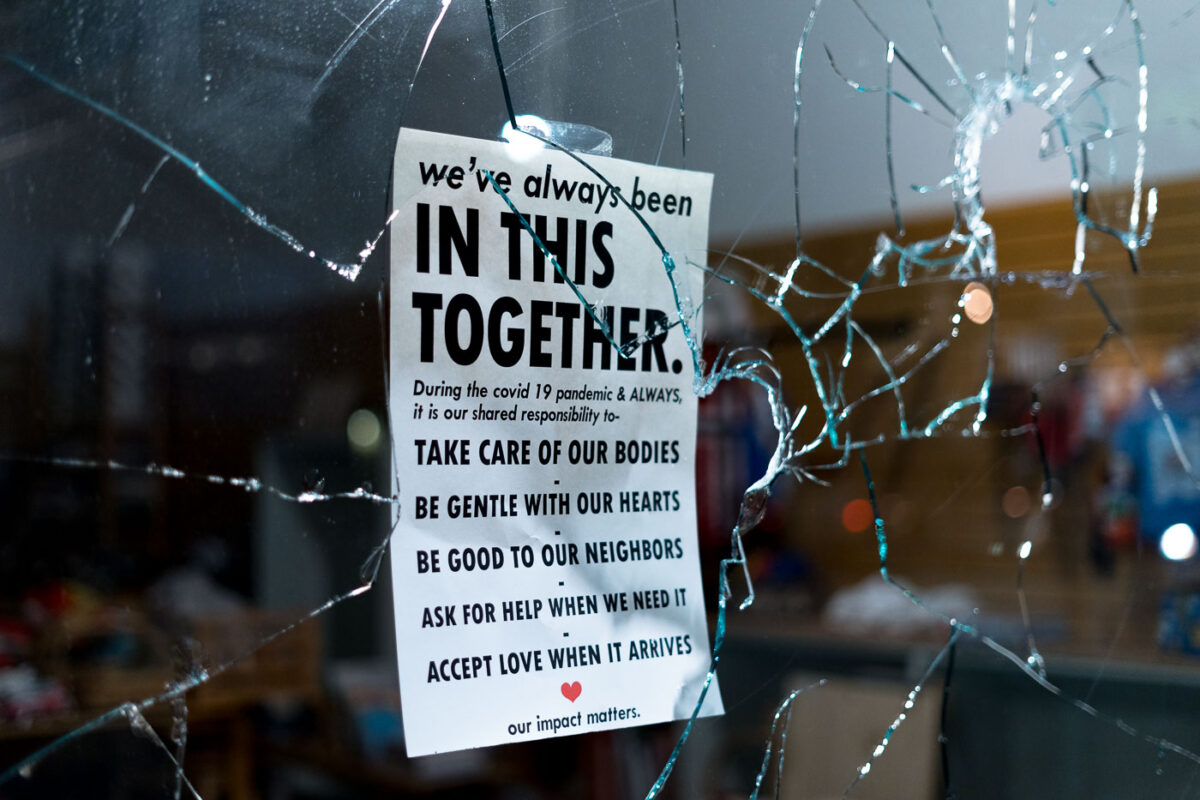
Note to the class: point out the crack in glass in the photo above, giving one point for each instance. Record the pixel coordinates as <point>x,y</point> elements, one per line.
<point>1095,93</point>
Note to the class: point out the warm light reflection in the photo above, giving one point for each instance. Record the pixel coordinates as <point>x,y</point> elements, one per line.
<point>1016,502</point>
<point>857,516</point>
<point>977,302</point>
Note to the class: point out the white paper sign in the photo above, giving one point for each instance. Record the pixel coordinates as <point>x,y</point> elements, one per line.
<point>545,563</point>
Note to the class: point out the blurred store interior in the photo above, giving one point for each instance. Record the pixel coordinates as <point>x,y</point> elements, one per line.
<point>162,359</point>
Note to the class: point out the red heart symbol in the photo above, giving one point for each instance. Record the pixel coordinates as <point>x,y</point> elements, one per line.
<point>571,691</point>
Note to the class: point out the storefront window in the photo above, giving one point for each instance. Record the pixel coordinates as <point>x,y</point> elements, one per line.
<point>942,336</point>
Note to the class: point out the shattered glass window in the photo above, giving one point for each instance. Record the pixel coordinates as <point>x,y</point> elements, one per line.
<point>948,364</point>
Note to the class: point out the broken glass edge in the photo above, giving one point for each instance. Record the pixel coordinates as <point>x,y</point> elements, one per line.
<point>348,270</point>
<point>1132,238</point>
